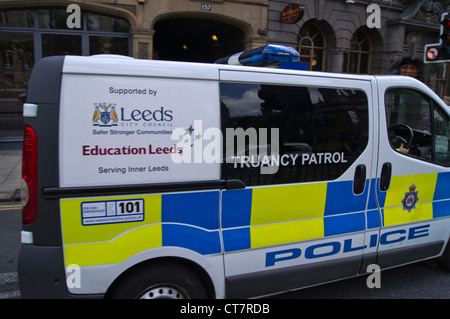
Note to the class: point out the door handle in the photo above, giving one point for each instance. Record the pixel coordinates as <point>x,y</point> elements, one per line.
<point>385,178</point>
<point>359,181</point>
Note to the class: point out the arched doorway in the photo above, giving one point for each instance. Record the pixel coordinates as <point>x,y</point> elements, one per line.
<point>195,40</point>
<point>312,46</point>
<point>364,56</point>
<point>315,42</point>
<point>359,57</point>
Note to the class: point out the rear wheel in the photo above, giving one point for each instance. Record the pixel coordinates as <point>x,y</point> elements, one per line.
<point>164,291</point>
<point>446,257</point>
<point>163,280</point>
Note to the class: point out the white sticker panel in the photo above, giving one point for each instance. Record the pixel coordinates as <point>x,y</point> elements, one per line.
<point>110,212</point>
<point>135,130</point>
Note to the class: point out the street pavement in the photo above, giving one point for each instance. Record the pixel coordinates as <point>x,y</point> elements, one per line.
<point>10,226</point>
<point>10,216</point>
<point>10,170</point>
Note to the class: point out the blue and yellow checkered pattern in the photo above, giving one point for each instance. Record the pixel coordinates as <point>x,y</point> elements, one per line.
<point>433,193</point>
<point>259,217</point>
<point>249,218</point>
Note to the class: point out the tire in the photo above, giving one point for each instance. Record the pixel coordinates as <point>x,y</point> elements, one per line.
<point>163,280</point>
<point>446,257</point>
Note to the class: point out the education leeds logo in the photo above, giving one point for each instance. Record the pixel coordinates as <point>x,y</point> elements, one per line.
<point>105,115</point>
<point>410,200</point>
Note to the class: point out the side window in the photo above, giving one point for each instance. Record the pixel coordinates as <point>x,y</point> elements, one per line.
<point>441,137</point>
<point>309,133</point>
<point>417,126</point>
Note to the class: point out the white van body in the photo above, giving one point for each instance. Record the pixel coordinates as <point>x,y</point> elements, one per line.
<point>250,181</point>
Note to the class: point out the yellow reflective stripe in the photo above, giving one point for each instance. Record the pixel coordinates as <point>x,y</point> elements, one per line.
<point>289,232</point>
<point>425,185</point>
<point>288,203</point>
<point>285,214</point>
<point>397,215</point>
<point>394,214</point>
<point>108,243</point>
<point>126,245</point>
<point>74,232</point>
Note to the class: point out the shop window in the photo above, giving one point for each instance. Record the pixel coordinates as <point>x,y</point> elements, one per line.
<point>52,18</point>
<point>61,44</point>
<point>17,18</point>
<point>417,126</point>
<point>108,45</point>
<point>16,63</point>
<point>17,60</point>
<point>98,33</point>
<point>27,35</point>
<point>96,22</point>
<point>320,131</point>
<point>357,59</point>
<point>442,83</point>
<point>312,46</point>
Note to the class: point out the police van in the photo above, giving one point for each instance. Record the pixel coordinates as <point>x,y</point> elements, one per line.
<point>157,179</point>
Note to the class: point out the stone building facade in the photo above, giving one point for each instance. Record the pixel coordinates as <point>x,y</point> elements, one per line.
<point>345,36</point>
<point>241,23</point>
<point>183,30</point>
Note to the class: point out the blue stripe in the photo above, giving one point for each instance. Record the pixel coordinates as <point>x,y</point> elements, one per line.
<point>373,214</point>
<point>343,224</point>
<point>441,209</point>
<point>442,186</point>
<point>340,198</point>
<point>382,217</point>
<point>191,238</point>
<point>236,208</point>
<point>236,239</point>
<point>198,209</point>
<point>373,219</point>
<point>372,198</point>
<point>380,194</point>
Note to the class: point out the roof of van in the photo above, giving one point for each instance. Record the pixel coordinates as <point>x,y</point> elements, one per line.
<point>117,65</point>
<point>127,66</point>
<point>43,76</point>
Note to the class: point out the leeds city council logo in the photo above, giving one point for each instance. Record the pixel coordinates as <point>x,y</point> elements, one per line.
<point>105,115</point>
<point>410,200</point>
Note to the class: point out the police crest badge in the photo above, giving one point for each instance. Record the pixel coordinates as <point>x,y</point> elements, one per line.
<point>410,200</point>
<point>104,115</point>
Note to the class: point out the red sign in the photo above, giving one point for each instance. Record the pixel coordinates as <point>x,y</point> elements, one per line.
<point>408,69</point>
<point>432,53</point>
<point>292,13</point>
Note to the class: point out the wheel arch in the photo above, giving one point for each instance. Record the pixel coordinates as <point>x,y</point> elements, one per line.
<point>199,271</point>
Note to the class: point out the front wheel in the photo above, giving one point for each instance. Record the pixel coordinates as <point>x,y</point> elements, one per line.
<point>446,257</point>
<point>163,280</point>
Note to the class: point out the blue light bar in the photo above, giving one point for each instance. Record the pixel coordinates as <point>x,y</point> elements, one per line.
<point>266,55</point>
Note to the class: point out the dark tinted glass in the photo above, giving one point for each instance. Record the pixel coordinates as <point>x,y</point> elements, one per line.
<point>320,132</point>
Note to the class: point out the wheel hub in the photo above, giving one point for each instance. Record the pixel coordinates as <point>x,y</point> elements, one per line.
<point>163,292</point>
